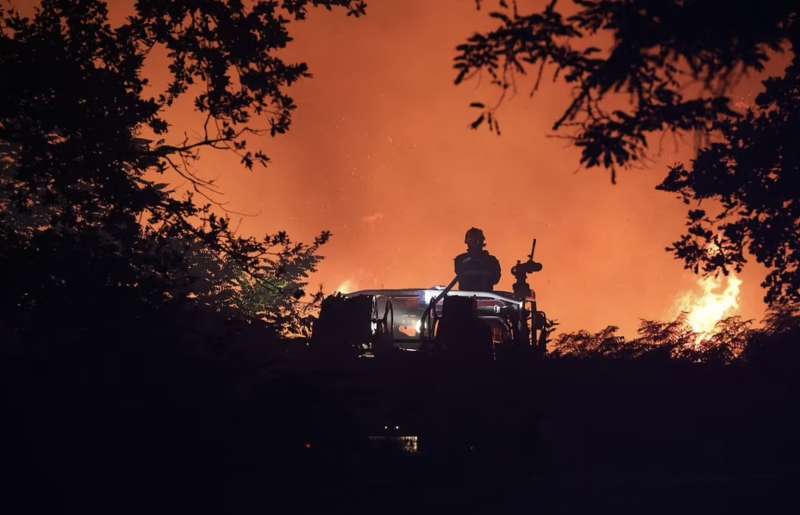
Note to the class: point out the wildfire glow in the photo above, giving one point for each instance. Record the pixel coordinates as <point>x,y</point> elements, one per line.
<point>703,311</point>
<point>346,287</point>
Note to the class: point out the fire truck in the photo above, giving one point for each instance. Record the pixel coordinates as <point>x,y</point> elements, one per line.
<point>482,324</point>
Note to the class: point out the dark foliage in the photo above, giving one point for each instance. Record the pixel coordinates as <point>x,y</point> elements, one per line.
<point>88,221</point>
<point>138,331</point>
<point>670,66</point>
<point>656,49</point>
<point>753,174</point>
<point>223,422</point>
<point>733,341</point>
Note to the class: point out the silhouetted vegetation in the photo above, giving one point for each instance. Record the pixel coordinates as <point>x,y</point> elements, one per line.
<point>752,173</point>
<point>91,222</point>
<point>669,340</point>
<point>671,66</point>
<point>733,340</point>
<point>133,318</point>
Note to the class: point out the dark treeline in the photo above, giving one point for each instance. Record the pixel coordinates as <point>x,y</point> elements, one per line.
<point>733,339</point>
<point>216,417</point>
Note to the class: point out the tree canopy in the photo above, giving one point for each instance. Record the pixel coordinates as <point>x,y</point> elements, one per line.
<point>86,214</point>
<point>754,173</point>
<point>638,68</point>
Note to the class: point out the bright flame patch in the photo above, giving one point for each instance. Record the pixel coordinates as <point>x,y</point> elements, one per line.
<point>346,286</point>
<point>703,311</point>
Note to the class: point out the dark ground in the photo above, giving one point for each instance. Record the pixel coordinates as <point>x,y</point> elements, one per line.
<point>274,428</point>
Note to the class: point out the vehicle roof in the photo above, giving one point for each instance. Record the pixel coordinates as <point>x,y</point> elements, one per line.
<point>433,292</point>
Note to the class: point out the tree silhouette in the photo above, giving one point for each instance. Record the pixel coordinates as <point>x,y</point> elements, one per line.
<point>671,66</point>
<point>605,343</point>
<point>278,297</point>
<point>783,318</point>
<point>86,213</point>
<point>673,340</point>
<point>753,172</point>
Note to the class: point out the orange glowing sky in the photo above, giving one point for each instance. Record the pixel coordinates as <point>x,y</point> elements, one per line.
<point>381,154</point>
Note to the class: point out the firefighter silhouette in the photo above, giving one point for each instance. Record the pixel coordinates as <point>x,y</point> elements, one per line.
<point>477,270</point>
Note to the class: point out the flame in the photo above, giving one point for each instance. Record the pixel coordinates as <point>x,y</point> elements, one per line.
<point>704,311</point>
<point>346,287</point>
